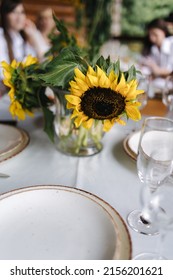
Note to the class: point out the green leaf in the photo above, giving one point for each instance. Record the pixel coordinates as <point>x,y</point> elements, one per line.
<point>60,71</point>
<point>48,123</point>
<point>103,63</point>
<point>115,67</point>
<point>130,74</point>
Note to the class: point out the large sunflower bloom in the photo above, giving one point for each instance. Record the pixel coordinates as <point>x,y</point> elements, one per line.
<point>98,96</point>
<point>16,108</point>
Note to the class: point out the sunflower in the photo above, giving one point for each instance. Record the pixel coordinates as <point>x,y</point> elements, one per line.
<point>11,78</point>
<point>102,97</point>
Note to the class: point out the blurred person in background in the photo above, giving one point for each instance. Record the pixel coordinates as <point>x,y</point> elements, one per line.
<point>45,23</point>
<point>158,49</point>
<point>157,60</point>
<point>158,52</point>
<point>19,36</point>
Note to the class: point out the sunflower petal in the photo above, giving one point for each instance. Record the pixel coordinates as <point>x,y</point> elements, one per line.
<point>133,112</point>
<point>74,114</point>
<point>112,76</point>
<point>87,124</point>
<point>14,64</point>
<point>82,84</point>
<point>29,61</point>
<point>70,106</point>
<point>122,84</point>
<point>6,66</point>
<point>93,80</point>
<point>107,125</point>
<point>119,121</point>
<point>74,100</point>
<point>79,74</point>
<point>80,119</point>
<point>104,81</point>
<point>7,83</point>
<point>91,71</point>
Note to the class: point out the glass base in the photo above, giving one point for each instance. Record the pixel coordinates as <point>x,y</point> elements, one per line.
<point>135,222</point>
<point>149,256</point>
<point>79,152</point>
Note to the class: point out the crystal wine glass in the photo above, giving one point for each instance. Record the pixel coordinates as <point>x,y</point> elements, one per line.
<point>156,136</point>
<point>161,203</point>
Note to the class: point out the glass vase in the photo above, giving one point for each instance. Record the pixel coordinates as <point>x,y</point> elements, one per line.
<point>71,140</point>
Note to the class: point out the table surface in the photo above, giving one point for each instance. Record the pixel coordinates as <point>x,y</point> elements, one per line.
<point>111,174</point>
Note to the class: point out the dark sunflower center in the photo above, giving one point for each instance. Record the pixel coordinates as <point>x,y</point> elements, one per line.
<point>102,103</point>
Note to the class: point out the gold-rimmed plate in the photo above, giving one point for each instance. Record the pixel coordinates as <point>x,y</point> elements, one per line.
<point>130,144</point>
<point>12,141</point>
<point>58,222</point>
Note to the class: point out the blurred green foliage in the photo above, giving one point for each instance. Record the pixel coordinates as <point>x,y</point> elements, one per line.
<point>137,13</point>
<point>98,22</point>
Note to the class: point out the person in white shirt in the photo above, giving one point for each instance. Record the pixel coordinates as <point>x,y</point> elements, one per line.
<point>159,51</point>
<point>19,36</point>
<point>157,60</point>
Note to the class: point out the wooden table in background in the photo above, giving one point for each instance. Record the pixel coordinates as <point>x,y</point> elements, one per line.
<point>154,107</point>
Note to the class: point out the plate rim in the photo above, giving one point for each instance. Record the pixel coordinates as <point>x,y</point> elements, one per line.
<point>19,147</point>
<point>104,204</point>
<point>126,146</point>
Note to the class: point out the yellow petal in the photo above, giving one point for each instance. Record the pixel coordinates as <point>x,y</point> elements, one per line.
<point>7,75</point>
<point>77,92</point>
<point>122,83</point>
<point>82,85</point>
<point>74,114</point>
<point>73,84</point>
<point>15,64</point>
<point>87,124</point>
<point>91,71</point>
<point>122,86</point>
<point>70,106</point>
<point>11,94</point>
<point>74,100</point>
<point>100,72</point>
<point>7,83</point>
<point>112,76</point>
<point>88,82</point>
<point>93,80</point>
<point>79,74</point>
<point>6,66</point>
<point>133,112</point>
<point>104,81</point>
<point>107,125</point>
<point>80,119</point>
<point>16,110</point>
<point>29,61</point>
<point>119,121</point>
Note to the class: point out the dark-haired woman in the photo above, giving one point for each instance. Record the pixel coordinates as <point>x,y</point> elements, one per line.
<point>159,52</point>
<point>18,35</point>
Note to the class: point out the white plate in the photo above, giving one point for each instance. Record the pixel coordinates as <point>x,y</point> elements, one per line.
<point>130,144</point>
<point>57,222</point>
<point>12,141</point>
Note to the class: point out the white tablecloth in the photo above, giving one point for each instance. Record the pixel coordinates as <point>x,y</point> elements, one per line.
<point>111,174</point>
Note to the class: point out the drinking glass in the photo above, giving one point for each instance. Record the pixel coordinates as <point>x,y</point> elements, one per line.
<point>143,83</point>
<point>167,95</point>
<point>155,145</point>
<point>161,202</point>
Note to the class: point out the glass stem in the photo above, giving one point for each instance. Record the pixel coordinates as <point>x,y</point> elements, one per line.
<point>159,247</point>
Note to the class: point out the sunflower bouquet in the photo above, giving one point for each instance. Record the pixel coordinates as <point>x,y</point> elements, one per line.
<point>90,97</point>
